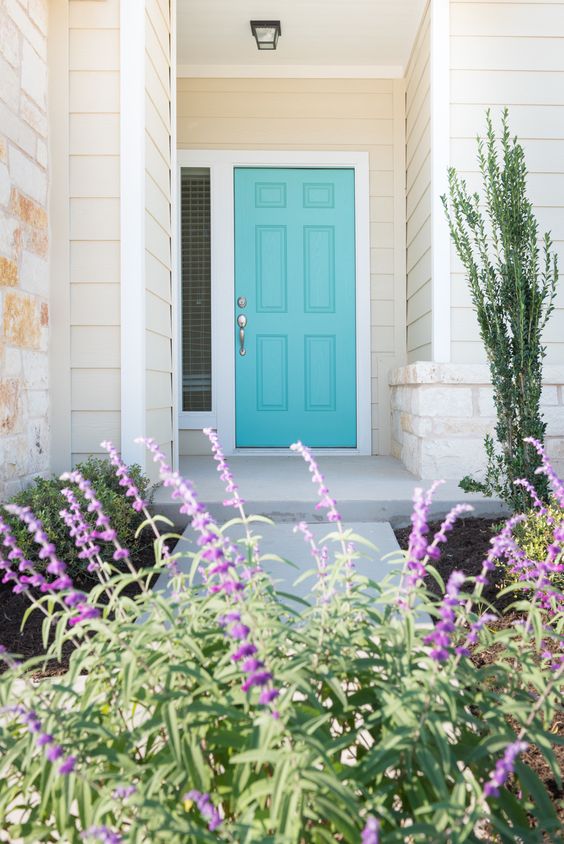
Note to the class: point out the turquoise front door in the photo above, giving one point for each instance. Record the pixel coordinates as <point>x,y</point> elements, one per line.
<point>295,306</point>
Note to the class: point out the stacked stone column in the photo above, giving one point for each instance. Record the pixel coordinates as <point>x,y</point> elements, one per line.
<point>24,244</point>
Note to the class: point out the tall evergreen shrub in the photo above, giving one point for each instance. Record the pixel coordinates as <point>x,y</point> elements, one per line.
<point>512,274</point>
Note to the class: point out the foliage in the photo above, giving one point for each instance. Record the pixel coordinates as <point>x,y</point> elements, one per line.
<point>43,496</point>
<point>534,536</point>
<point>212,710</point>
<point>512,282</point>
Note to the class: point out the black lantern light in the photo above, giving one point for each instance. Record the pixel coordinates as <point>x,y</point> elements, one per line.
<point>266,34</point>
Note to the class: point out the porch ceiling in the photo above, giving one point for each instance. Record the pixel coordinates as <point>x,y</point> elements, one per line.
<point>318,36</point>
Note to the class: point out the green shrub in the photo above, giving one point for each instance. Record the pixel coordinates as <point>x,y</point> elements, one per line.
<point>213,711</point>
<point>44,498</point>
<point>512,280</point>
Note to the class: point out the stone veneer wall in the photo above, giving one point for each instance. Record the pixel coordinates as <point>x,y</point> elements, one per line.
<point>24,271</point>
<point>441,413</point>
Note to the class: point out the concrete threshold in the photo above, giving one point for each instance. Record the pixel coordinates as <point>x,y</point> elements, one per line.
<point>367,489</point>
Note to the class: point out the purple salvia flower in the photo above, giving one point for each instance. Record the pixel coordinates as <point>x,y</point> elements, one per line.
<point>475,627</point>
<point>257,678</point>
<point>79,529</point>
<point>68,765</point>
<point>122,792</point>
<point>417,547</point>
<point>34,526</point>
<point>206,808</point>
<point>61,583</point>
<point>268,696</point>
<point>246,649</point>
<point>371,831</point>
<point>504,768</point>
<point>325,500</point>
<point>501,546</point>
<point>528,487</point>
<point>104,532</point>
<point>433,550</point>
<point>85,611</point>
<point>224,470</point>
<point>440,636</point>
<point>547,469</point>
<point>52,750</point>
<point>125,479</point>
<point>101,833</point>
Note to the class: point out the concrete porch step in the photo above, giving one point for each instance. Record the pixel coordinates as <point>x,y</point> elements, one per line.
<point>367,489</point>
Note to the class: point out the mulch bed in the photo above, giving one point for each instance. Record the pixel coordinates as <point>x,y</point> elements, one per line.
<point>465,550</point>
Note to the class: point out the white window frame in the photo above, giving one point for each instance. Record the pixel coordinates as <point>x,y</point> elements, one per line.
<point>222,164</point>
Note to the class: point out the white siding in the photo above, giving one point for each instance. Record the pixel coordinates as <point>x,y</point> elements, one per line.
<point>94,223</point>
<point>318,114</point>
<point>418,199</point>
<point>158,296</point>
<point>509,54</point>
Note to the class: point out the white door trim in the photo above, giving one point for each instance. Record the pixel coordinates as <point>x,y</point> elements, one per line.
<point>222,164</point>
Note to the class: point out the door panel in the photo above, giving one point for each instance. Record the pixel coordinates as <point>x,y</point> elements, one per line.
<point>295,267</point>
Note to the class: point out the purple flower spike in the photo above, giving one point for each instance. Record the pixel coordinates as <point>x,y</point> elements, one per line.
<point>547,469</point>
<point>125,478</point>
<point>418,548</point>
<point>325,500</point>
<point>370,833</point>
<point>440,637</point>
<point>433,550</point>
<point>224,471</point>
<point>206,808</point>
<point>504,768</point>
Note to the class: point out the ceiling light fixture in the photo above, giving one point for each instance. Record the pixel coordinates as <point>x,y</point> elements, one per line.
<point>266,34</point>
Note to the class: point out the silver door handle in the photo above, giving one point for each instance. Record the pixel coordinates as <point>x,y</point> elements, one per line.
<point>241,322</point>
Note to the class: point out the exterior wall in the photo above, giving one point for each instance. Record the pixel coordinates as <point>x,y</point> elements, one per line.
<point>24,272</point>
<point>94,223</point>
<point>502,53</point>
<point>441,413</point>
<point>418,196</point>
<point>158,308</point>
<point>323,114</point>
<point>509,53</point>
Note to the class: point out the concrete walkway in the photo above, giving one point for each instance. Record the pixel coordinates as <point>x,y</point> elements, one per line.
<point>367,489</point>
<point>287,556</point>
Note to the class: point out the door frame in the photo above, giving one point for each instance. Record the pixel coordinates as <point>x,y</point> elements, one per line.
<point>222,164</point>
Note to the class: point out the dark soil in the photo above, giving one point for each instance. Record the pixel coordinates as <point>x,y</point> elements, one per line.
<point>465,550</point>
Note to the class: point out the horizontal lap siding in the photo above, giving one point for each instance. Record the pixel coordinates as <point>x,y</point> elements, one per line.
<point>509,54</point>
<point>158,295</point>
<point>94,224</point>
<point>418,197</point>
<point>318,114</point>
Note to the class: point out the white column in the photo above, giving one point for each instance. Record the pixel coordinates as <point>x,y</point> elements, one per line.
<point>132,213</point>
<point>440,157</point>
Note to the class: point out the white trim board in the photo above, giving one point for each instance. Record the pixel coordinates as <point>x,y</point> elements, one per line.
<point>222,164</point>
<point>132,219</point>
<point>297,71</point>
<point>440,156</point>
